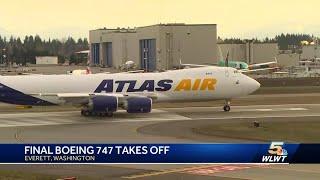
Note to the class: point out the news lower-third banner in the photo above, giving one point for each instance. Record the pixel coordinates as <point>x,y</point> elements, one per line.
<point>274,152</point>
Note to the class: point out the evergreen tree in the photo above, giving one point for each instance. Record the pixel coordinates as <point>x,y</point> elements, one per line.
<point>22,52</point>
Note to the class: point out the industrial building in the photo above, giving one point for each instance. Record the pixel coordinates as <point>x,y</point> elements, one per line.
<point>288,60</point>
<point>46,60</point>
<point>250,52</point>
<point>155,47</point>
<point>253,53</point>
<point>310,52</point>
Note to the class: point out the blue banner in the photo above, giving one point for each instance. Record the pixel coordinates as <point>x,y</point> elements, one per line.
<point>275,152</point>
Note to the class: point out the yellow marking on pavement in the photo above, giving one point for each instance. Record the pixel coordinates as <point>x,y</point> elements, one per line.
<point>23,107</point>
<point>156,173</point>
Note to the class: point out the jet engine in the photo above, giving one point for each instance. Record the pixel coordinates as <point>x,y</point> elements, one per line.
<point>103,104</point>
<point>138,105</point>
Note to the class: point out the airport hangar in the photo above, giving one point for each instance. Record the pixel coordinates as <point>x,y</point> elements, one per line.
<point>161,46</point>
<point>155,47</point>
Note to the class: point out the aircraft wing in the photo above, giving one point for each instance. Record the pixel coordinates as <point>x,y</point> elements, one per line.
<point>194,65</point>
<point>24,73</point>
<point>264,64</point>
<point>258,70</point>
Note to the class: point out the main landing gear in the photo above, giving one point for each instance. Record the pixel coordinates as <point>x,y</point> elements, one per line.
<point>87,113</point>
<point>227,107</point>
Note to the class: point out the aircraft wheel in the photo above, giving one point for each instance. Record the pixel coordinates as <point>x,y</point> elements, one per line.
<point>93,113</point>
<point>109,114</point>
<point>226,108</point>
<point>85,113</point>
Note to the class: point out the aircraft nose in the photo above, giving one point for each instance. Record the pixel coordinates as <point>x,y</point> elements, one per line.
<point>254,85</point>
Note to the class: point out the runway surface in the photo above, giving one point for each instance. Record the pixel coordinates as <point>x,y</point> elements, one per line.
<point>164,125</point>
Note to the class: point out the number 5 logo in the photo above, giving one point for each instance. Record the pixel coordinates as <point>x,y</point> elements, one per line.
<point>275,148</point>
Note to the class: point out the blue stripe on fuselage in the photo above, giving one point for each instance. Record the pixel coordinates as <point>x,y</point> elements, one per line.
<point>12,96</point>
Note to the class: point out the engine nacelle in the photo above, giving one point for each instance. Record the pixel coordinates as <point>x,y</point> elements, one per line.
<point>103,104</point>
<point>139,105</point>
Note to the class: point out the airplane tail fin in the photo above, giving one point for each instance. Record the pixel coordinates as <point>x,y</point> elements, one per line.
<point>227,60</point>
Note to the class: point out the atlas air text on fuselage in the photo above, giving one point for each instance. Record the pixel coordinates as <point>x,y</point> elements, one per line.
<point>109,85</point>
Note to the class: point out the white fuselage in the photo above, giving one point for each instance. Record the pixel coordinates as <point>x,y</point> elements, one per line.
<point>196,84</point>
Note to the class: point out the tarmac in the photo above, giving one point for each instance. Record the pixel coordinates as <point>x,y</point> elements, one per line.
<point>163,125</point>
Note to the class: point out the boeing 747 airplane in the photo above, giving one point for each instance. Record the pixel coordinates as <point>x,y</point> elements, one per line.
<point>103,94</point>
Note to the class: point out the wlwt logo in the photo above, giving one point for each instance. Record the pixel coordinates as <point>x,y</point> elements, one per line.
<point>276,153</point>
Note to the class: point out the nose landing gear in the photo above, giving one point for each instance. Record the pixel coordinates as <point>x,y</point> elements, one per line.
<point>227,107</point>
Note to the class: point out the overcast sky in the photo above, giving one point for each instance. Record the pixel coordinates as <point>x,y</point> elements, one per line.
<point>235,18</point>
